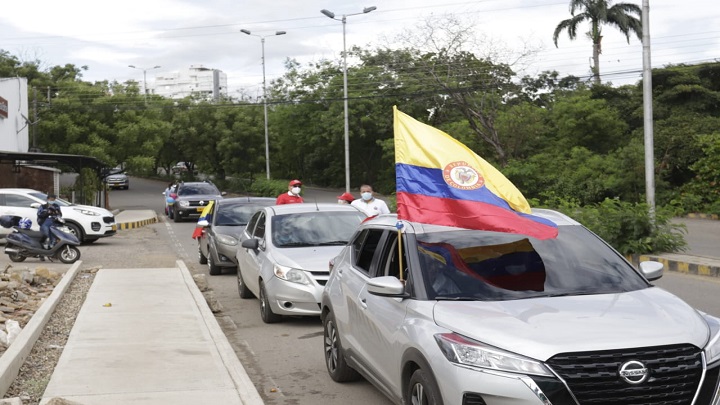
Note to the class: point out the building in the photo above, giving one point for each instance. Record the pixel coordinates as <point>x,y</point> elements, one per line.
<point>14,120</point>
<point>195,81</point>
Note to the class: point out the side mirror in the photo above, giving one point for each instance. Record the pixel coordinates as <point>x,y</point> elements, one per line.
<point>35,205</point>
<point>386,286</point>
<point>250,244</point>
<point>204,223</point>
<point>651,270</point>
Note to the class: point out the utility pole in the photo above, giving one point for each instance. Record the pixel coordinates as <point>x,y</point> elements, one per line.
<point>35,121</point>
<point>648,111</point>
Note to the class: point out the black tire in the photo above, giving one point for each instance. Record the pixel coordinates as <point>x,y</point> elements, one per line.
<point>68,254</point>
<point>266,313</point>
<point>422,389</point>
<point>201,257</point>
<point>176,217</point>
<point>213,269</point>
<point>75,230</point>
<point>16,257</point>
<point>243,291</point>
<point>334,355</point>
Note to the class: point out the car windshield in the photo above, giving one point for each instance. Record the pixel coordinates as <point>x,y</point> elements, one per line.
<point>59,201</point>
<point>197,189</point>
<point>237,214</point>
<point>317,228</point>
<point>493,266</point>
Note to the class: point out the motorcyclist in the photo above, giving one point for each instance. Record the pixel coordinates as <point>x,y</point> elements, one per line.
<point>46,215</point>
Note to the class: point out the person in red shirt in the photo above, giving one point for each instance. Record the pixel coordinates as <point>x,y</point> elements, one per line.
<point>293,194</point>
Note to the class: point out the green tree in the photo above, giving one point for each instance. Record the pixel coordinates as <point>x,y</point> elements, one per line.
<point>623,16</point>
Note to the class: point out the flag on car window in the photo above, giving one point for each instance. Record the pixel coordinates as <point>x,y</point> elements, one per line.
<point>441,181</point>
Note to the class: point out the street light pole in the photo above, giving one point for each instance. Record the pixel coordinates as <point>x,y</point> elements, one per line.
<point>145,77</point>
<point>330,14</point>
<point>267,143</point>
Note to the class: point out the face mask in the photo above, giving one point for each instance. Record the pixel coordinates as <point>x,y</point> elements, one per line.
<point>366,196</point>
<point>295,190</point>
<point>342,201</point>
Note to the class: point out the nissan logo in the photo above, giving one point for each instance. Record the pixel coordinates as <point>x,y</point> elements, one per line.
<point>634,372</point>
<point>202,202</point>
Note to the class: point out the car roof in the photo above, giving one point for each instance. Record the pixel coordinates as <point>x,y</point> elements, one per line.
<point>309,207</point>
<point>21,190</point>
<point>391,220</point>
<point>249,200</point>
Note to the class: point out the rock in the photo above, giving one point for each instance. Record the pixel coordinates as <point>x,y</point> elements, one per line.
<point>18,295</point>
<point>13,285</point>
<point>201,282</point>
<point>4,285</point>
<point>61,401</point>
<point>27,277</point>
<point>212,301</point>
<point>42,272</point>
<point>11,401</point>
<point>6,310</point>
<point>38,280</point>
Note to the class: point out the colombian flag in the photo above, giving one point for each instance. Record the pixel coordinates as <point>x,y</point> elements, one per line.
<point>441,181</point>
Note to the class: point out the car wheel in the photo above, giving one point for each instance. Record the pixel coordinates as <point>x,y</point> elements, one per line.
<point>243,291</point>
<point>201,257</point>
<point>213,269</point>
<point>422,389</point>
<point>334,355</point>
<point>75,230</point>
<point>266,313</point>
<point>176,217</point>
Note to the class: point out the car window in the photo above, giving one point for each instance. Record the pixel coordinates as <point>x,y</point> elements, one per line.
<point>503,266</point>
<point>20,201</point>
<point>391,262</point>
<point>253,221</point>
<point>316,228</point>
<point>197,189</point>
<point>364,247</point>
<point>259,231</point>
<point>235,214</point>
<point>58,201</point>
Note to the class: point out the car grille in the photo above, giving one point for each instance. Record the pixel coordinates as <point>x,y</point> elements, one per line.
<point>320,277</point>
<point>197,203</point>
<point>593,377</point>
<point>108,220</point>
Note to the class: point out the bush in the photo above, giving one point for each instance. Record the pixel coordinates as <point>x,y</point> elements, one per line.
<point>269,188</point>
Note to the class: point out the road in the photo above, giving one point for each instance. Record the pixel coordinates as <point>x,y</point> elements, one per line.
<point>285,361</point>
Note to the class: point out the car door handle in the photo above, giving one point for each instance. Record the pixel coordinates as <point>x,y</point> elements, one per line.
<point>363,303</point>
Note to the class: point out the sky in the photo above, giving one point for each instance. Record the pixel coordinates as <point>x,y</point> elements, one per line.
<point>107,36</point>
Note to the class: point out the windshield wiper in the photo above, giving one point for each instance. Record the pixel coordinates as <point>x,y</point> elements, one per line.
<point>441,298</point>
<point>333,243</point>
<point>297,244</point>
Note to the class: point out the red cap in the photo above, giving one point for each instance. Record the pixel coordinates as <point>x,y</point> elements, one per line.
<point>347,197</point>
<point>295,182</point>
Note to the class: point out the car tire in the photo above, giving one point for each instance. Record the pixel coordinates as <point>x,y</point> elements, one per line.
<point>75,230</point>
<point>422,389</point>
<point>176,217</point>
<point>201,257</point>
<point>213,269</point>
<point>334,355</point>
<point>243,291</point>
<point>266,313</point>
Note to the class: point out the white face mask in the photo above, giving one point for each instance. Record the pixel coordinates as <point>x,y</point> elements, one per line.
<point>295,190</point>
<point>342,202</point>
<point>367,196</point>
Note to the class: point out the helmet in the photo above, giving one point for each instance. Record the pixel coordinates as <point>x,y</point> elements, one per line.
<point>25,223</point>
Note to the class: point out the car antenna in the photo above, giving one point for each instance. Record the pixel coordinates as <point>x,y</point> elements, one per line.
<point>317,207</point>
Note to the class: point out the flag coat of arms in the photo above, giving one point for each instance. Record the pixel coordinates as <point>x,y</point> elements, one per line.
<point>441,181</point>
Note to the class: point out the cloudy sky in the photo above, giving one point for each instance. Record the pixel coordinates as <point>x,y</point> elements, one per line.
<point>107,36</point>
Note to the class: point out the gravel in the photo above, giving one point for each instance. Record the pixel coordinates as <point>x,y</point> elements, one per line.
<point>35,373</point>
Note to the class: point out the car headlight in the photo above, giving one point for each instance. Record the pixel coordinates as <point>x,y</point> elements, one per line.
<point>290,274</point>
<point>712,349</point>
<point>86,212</point>
<point>226,240</point>
<point>461,350</point>
<point>184,203</point>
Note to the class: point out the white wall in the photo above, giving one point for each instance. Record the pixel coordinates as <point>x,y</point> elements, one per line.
<point>197,80</point>
<point>14,129</point>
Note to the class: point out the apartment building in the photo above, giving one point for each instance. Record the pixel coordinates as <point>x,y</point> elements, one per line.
<point>197,81</point>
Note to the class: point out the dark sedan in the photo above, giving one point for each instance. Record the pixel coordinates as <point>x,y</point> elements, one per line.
<point>219,239</point>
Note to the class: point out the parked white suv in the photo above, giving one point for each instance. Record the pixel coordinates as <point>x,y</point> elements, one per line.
<point>88,223</point>
<point>457,316</point>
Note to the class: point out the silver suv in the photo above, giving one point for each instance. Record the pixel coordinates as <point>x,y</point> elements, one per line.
<point>456,316</point>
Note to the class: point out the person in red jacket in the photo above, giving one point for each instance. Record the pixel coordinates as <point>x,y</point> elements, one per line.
<point>293,194</point>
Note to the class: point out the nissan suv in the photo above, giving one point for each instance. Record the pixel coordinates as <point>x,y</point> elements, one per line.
<point>192,198</point>
<point>439,315</point>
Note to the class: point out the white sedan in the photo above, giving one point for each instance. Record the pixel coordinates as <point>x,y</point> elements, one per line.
<point>88,223</point>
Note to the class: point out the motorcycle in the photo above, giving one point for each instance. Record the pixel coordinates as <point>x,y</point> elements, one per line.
<point>23,243</point>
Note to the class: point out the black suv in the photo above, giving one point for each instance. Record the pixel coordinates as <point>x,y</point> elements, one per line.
<point>192,198</point>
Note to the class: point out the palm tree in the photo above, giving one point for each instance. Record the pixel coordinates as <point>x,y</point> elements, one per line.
<point>598,13</point>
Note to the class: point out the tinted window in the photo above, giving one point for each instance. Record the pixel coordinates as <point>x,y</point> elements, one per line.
<point>501,266</point>
<point>235,214</point>
<point>253,221</point>
<point>58,201</point>
<point>260,228</point>
<point>364,247</point>
<point>197,189</point>
<point>320,228</point>
<point>14,200</point>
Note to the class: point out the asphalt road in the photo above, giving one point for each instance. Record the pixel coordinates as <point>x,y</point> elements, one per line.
<point>285,360</point>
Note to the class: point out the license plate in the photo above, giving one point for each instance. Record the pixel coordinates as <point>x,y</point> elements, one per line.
<point>200,209</point>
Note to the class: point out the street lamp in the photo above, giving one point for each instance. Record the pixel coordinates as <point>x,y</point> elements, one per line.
<point>145,77</point>
<point>330,14</point>
<point>267,144</point>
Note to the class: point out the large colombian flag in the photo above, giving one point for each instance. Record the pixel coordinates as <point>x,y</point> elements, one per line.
<point>441,181</point>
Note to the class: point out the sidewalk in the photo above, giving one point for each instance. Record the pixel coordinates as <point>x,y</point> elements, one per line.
<point>147,336</point>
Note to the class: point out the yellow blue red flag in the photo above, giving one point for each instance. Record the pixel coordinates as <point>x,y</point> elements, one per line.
<point>441,181</point>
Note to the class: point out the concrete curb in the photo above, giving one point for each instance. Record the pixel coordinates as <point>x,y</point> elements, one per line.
<point>14,357</point>
<point>710,268</point>
<point>244,386</point>
<point>703,216</point>
<point>136,224</point>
